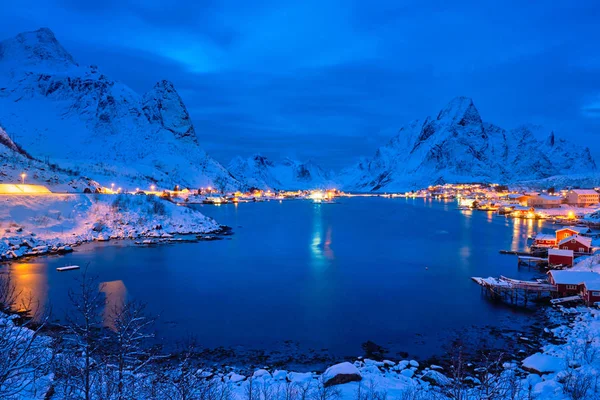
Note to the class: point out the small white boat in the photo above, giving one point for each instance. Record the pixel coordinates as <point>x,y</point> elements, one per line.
<point>67,268</point>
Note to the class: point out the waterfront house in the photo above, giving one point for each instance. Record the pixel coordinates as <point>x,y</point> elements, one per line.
<point>544,240</point>
<point>570,283</point>
<point>577,243</point>
<point>568,231</point>
<point>560,257</point>
<point>544,201</point>
<point>583,197</point>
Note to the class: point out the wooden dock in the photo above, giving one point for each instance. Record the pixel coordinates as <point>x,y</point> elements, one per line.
<point>515,291</point>
<point>532,262</point>
<point>540,253</point>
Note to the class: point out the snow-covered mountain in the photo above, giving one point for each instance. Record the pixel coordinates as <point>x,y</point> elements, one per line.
<point>14,161</point>
<point>79,118</point>
<point>261,173</point>
<point>458,146</point>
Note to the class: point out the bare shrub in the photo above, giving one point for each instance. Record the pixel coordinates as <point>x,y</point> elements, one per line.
<point>25,355</point>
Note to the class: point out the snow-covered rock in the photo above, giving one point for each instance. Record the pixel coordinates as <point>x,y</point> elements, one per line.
<point>409,373</point>
<point>260,373</point>
<point>341,373</point>
<point>543,363</point>
<point>235,378</point>
<point>299,377</point>
<point>458,146</point>
<point>261,173</point>
<point>82,120</point>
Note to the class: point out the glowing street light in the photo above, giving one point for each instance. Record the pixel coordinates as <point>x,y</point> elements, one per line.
<point>152,187</point>
<point>23,176</point>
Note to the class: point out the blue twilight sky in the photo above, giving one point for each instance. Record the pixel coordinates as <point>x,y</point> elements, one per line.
<point>333,80</point>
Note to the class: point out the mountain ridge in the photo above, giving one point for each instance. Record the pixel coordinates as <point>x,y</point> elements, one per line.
<point>80,118</point>
<point>459,146</point>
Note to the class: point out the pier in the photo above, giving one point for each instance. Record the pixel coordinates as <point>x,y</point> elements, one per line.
<point>532,262</point>
<point>515,291</point>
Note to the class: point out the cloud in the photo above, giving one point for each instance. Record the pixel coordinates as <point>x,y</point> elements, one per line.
<point>332,79</point>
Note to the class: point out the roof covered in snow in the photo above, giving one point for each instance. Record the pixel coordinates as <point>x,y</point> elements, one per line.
<point>566,277</point>
<point>580,239</point>
<point>544,236</point>
<point>578,229</point>
<point>558,252</point>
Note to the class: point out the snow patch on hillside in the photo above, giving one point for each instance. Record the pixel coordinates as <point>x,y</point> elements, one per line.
<point>58,220</point>
<point>261,173</point>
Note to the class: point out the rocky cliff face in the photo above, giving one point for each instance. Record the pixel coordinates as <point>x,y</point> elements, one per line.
<point>261,173</point>
<point>457,146</point>
<point>80,118</point>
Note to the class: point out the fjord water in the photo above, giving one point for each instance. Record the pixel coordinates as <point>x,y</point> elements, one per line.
<point>393,271</point>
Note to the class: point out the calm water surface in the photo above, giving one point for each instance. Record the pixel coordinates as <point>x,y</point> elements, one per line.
<point>394,271</point>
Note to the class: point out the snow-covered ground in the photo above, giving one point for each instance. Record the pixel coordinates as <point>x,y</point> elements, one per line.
<point>37,223</point>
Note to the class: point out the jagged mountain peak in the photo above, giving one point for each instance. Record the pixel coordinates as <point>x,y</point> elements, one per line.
<point>163,104</point>
<point>79,117</point>
<point>458,147</point>
<point>460,110</point>
<point>34,48</point>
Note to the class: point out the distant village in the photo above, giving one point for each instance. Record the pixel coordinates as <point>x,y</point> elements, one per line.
<point>568,205</point>
<point>570,255</point>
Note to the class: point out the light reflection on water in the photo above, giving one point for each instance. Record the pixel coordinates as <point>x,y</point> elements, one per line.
<point>115,295</point>
<point>31,281</point>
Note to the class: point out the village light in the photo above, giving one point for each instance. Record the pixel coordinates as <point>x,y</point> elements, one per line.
<point>23,175</point>
<point>152,187</point>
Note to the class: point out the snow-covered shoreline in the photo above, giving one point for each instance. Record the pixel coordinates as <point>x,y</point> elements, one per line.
<point>55,223</point>
<point>553,372</point>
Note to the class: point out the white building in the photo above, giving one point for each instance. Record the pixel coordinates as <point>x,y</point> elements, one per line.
<point>583,197</point>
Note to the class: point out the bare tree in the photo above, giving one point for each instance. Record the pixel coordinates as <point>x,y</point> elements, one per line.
<point>24,354</point>
<point>130,352</point>
<point>85,324</point>
<point>8,293</point>
<point>457,388</point>
<point>324,392</point>
<point>370,391</point>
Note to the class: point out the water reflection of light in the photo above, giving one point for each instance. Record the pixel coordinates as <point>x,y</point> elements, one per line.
<point>115,292</point>
<point>327,247</point>
<point>31,283</point>
<point>465,251</point>
<point>516,234</point>
<point>320,250</point>
<point>490,216</point>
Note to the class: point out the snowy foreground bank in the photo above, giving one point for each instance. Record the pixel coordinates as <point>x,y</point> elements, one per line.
<point>567,370</point>
<point>39,224</point>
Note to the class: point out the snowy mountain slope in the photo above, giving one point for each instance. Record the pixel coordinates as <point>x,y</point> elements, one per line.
<point>261,173</point>
<point>14,162</point>
<point>458,146</point>
<point>80,119</point>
